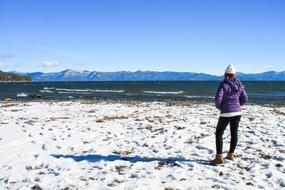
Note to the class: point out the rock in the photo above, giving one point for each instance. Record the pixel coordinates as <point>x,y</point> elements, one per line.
<point>37,179</point>
<point>29,168</point>
<point>216,186</point>
<point>282,183</point>
<point>34,96</point>
<point>249,183</point>
<point>179,127</point>
<point>161,164</point>
<point>119,168</point>
<point>44,147</point>
<point>134,176</point>
<point>36,187</point>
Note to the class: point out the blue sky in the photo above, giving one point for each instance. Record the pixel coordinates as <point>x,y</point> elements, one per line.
<point>161,35</point>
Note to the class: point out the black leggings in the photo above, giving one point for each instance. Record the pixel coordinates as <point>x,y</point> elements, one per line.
<point>222,124</point>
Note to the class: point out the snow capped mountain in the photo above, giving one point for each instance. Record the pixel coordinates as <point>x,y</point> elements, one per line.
<point>72,75</point>
<point>269,75</point>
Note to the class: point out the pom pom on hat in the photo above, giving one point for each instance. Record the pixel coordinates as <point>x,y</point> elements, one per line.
<point>230,70</point>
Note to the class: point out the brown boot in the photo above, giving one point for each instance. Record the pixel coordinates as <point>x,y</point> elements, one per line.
<point>218,159</point>
<point>231,156</point>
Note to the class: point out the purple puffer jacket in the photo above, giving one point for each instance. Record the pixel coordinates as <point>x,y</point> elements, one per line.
<point>230,96</point>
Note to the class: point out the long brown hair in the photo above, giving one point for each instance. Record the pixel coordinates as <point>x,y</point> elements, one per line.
<point>229,76</point>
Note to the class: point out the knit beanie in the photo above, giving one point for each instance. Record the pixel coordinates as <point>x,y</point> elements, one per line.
<point>230,70</point>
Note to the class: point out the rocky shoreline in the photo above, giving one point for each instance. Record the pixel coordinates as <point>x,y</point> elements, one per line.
<point>168,102</point>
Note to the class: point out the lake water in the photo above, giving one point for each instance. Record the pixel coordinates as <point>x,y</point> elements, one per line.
<point>258,91</point>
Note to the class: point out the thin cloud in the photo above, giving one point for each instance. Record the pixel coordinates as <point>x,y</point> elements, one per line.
<point>3,66</point>
<point>50,64</point>
<point>265,67</point>
<point>6,56</point>
<point>253,68</point>
<point>62,52</point>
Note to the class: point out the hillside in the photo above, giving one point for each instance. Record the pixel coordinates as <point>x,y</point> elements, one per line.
<point>12,77</point>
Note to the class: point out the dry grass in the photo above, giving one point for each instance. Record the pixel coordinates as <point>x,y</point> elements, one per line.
<point>109,118</point>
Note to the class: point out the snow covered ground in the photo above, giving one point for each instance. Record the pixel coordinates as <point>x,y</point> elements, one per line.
<point>83,145</point>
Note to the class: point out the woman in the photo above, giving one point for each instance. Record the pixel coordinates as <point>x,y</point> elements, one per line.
<point>230,97</point>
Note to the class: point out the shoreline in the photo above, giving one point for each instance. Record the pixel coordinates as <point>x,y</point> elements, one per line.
<point>14,81</point>
<point>168,102</point>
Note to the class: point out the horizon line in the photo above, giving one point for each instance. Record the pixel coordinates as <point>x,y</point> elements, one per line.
<point>84,70</point>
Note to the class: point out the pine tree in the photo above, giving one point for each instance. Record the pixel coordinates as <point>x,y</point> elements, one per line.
<point>12,77</point>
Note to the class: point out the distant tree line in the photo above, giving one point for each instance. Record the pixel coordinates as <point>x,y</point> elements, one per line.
<point>12,77</point>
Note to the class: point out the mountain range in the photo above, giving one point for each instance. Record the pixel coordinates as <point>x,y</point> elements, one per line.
<point>72,75</point>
